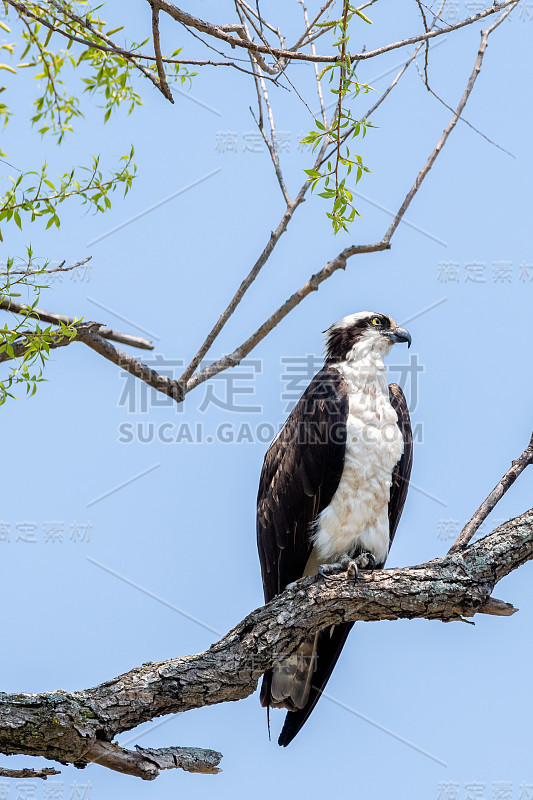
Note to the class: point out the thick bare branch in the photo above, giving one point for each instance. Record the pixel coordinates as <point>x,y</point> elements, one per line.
<point>146,763</point>
<point>78,727</point>
<point>158,57</point>
<point>126,362</point>
<point>90,333</point>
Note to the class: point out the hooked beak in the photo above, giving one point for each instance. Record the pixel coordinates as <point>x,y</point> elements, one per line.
<point>398,335</point>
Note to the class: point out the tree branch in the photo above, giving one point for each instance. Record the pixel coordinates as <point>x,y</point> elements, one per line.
<point>136,368</point>
<point>84,23</point>
<point>158,58</point>
<point>146,763</point>
<point>58,319</point>
<point>494,497</point>
<point>45,271</point>
<point>28,773</point>
<point>221,32</point>
<point>78,727</point>
<point>190,379</point>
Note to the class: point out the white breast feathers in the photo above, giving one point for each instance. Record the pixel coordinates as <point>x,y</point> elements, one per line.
<point>356,519</point>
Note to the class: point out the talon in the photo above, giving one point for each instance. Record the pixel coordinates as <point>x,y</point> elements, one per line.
<point>352,571</point>
<point>321,572</point>
<point>367,561</point>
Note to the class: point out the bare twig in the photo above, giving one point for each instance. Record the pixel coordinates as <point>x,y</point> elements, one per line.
<point>466,122</point>
<point>389,88</point>
<point>309,26</point>
<point>317,73</point>
<point>262,94</point>
<point>262,22</point>
<point>258,58</point>
<point>424,20</point>
<point>271,143</point>
<point>494,497</point>
<point>161,383</point>
<point>244,12</point>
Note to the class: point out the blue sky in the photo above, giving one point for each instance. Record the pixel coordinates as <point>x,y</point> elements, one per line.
<point>182,525</point>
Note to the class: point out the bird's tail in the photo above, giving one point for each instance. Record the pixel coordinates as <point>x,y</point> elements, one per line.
<point>291,679</point>
<point>297,683</point>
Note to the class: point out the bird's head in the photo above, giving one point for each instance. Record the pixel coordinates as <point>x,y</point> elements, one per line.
<point>360,334</point>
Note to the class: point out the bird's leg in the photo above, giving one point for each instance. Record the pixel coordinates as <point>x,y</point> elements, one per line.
<point>366,561</point>
<point>342,565</point>
<point>349,565</point>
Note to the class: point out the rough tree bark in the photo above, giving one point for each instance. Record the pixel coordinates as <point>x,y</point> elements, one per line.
<point>78,727</point>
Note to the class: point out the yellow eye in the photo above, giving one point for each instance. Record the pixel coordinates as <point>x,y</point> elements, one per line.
<point>376,321</point>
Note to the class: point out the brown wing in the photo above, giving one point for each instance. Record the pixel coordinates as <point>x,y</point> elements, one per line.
<point>300,475</point>
<point>301,472</point>
<point>402,470</point>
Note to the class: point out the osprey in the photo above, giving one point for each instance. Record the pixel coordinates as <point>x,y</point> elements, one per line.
<point>332,490</point>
